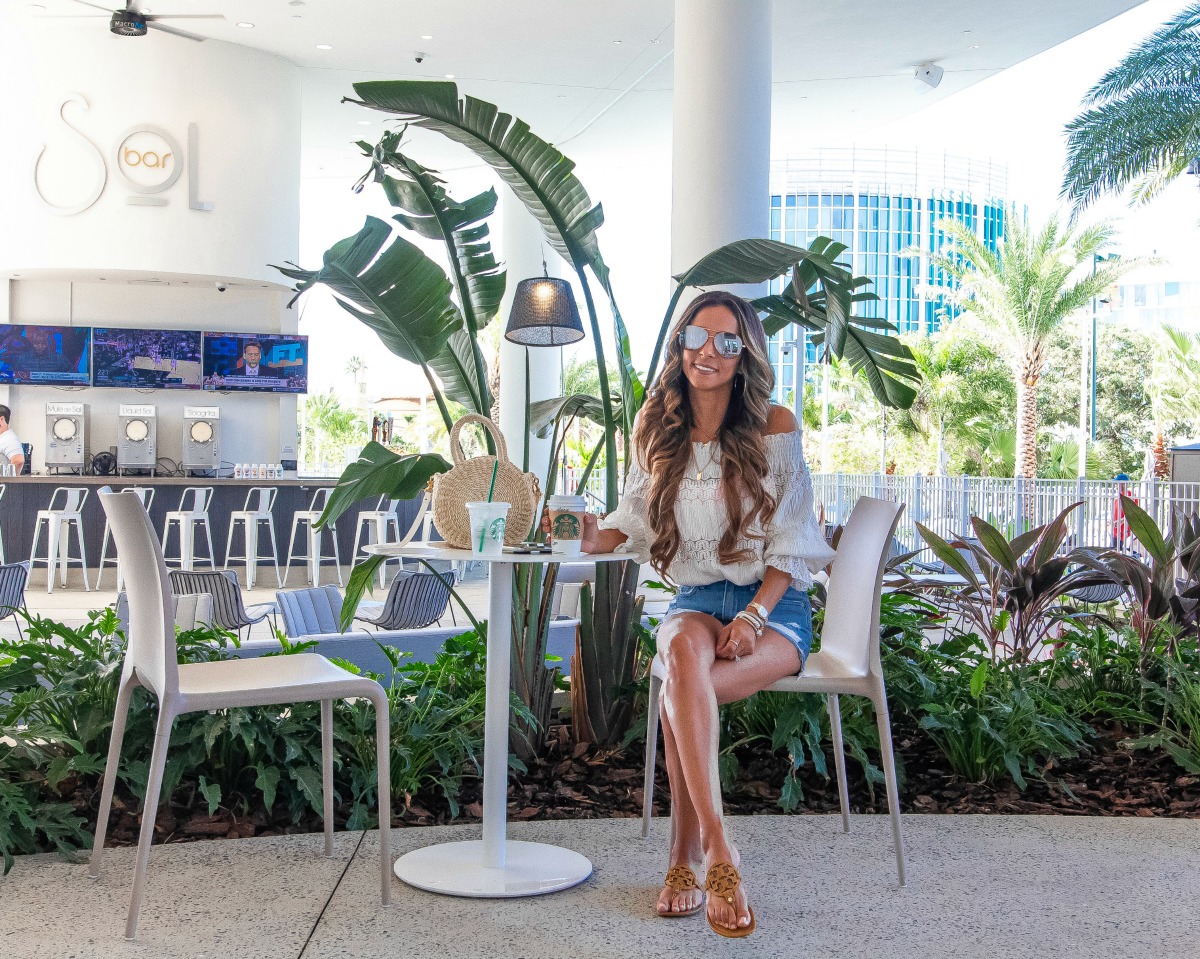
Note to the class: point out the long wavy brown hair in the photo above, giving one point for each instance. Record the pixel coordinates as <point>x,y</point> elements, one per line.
<point>663,437</point>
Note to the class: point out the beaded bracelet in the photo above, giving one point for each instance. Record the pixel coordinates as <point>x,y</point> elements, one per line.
<point>755,623</point>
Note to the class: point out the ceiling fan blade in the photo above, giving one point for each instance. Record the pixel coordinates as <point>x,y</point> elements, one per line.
<point>150,18</point>
<point>95,6</point>
<point>177,32</point>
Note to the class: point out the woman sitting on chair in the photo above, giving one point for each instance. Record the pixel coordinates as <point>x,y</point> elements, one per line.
<point>718,499</point>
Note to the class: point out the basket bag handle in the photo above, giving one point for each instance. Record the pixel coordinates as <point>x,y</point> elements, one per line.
<point>456,452</point>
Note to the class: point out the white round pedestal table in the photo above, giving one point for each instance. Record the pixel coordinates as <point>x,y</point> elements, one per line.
<point>493,867</point>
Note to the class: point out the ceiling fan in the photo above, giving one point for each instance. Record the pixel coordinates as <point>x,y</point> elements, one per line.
<point>131,22</point>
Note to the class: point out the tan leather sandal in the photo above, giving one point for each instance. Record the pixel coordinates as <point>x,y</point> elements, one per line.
<point>723,880</point>
<point>681,879</point>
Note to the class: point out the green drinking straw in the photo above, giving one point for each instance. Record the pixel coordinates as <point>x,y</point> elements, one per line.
<point>491,491</point>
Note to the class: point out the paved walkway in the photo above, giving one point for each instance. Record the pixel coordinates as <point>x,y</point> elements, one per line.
<point>979,886</point>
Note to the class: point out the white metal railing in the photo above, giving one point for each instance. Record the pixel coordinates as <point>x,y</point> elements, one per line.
<point>945,504</point>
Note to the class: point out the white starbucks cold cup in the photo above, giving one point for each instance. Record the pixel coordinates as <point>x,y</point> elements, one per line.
<point>566,524</point>
<point>487,527</point>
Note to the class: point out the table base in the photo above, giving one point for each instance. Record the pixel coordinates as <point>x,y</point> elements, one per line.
<point>456,869</point>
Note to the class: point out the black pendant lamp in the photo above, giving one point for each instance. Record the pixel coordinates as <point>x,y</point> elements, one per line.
<point>544,313</point>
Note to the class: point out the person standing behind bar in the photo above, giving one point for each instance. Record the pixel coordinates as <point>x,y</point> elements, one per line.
<point>11,450</point>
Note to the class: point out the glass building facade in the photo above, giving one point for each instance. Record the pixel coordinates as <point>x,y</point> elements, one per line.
<point>887,207</point>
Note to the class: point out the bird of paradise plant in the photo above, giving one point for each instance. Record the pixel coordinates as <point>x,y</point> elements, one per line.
<point>432,320</point>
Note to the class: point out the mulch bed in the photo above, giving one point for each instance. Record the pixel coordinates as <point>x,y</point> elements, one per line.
<point>575,781</point>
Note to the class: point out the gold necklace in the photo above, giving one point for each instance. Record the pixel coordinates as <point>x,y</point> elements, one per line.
<point>707,463</point>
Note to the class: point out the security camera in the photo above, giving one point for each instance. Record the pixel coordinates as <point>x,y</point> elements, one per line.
<point>419,57</point>
<point>221,287</point>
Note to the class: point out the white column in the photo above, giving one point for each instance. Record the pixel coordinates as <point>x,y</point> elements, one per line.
<point>721,145</point>
<point>521,247</point>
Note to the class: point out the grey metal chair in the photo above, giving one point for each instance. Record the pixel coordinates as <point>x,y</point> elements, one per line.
<point>228,610</point>
<point>414,601</point>
<point>308,612</point>
<point>13,578</point>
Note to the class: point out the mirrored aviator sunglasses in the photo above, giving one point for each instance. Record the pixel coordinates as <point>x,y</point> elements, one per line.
<point>727,345</point>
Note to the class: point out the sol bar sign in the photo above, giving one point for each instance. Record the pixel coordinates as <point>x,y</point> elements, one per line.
<point>148,159</point>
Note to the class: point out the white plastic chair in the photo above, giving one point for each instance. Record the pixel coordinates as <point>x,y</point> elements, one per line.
<point>378,523</point>
<point>847,662</point>
<point>193,510</point>
<point>146,495</point>
<point>313,556</point>
<point>59,523</point>
<point>259,501</point>
<point>150,661</point>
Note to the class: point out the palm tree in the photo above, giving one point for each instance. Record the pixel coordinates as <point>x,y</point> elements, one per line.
<point>1142,122</point>
<point>964,389</point>
<point>1022,293</point>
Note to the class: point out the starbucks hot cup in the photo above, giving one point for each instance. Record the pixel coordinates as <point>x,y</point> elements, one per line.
<point>566,524</point>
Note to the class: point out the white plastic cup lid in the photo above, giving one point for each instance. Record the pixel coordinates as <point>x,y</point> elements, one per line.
<point>483,504</point>
<point>567,502</point>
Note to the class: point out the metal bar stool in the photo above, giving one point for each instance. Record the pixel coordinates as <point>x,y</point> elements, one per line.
<point>193,510</point>
<point>58,528</point>
<point>313,556</point>
<point>378,522</point>
<point>146,495</point>
<point>259,501</point>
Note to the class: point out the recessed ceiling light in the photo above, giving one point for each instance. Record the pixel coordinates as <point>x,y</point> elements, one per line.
<point>245,25</point>
<point>976,46</point>
<point>426,36</point>
<point>364,123</point>
<point>561,96</point>
<point>324,46</point>
<point>295,3</point>
<point>656,41</point>
<point>449,76</point>
<point>616,41</point>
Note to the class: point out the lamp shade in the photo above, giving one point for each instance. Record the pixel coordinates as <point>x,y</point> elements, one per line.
<point>544,314</point>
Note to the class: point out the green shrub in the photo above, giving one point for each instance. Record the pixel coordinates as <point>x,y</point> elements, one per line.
<point>58,692</point>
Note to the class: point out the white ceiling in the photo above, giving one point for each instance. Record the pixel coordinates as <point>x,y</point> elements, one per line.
<point>841,66</point>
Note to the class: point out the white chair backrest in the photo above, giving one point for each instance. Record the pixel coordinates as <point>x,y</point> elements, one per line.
<point>144,493</point>
<point>73,498</point>
<point>260,498</point>
<point>199,496</point>
<point>851,631</point>
<point>320,498</point>
<point>150,648</point>
<point>421,524</point>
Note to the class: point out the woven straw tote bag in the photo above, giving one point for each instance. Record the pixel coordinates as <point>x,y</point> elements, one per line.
<point>468,482</point>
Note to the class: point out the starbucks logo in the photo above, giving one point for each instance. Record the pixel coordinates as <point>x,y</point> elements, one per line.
<point>496,530</point>
<point>566,526</point>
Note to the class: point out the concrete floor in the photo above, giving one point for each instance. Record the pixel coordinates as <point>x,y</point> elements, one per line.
<point>979,886</point>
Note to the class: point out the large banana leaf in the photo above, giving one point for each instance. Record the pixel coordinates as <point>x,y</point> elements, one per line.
<point>545,182</point>
<point>387,283</point>
<point>886,362</point>
<point>380,472</point>
<point>537,172</point>
<point>756,261</point>
<point>428,210</point>
<point>545,413</point>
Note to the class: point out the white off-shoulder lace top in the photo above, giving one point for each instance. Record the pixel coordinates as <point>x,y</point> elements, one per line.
<point>792,540</point>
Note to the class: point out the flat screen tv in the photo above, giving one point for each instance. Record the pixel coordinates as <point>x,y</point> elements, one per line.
<point>269,362</point>
<point>146,359</point>
<point>45,355</point>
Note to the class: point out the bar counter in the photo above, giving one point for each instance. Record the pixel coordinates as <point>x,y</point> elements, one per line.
<point>23,496</point>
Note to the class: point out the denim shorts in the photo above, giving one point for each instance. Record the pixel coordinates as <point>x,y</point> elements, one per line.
<point>791,618</point>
